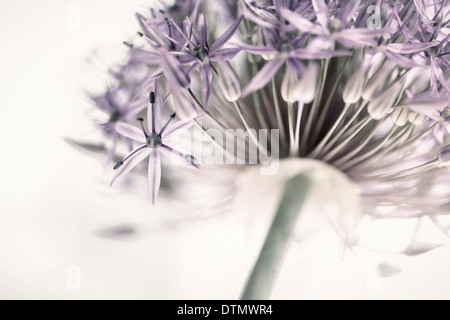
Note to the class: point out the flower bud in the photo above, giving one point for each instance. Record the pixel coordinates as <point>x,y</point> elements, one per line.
<point>376,82</point>
<point>289,86</point>
<point>308,83</point>
<point>354,87</point>
<point>380,106</point>
<point>400,116</point>
<point>416,118</point>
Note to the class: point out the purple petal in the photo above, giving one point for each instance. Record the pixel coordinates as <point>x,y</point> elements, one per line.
<point>322,12</point>
<point>318,54</point>
<point>408,34</point>
<point>263,77</point>
<point>175,73</point>
<point>148,31</point>
<point>255,49</point>
<point>225,54</point>
<point>226,35</point>
<point>194,12</point>
<point>355,43</point>
<point>102,103</point>
<point>135,107</point>
<point>206,78</point>
<point>193,67</point>
<point>405,48</point>
<point>128,143</point>
<point>400,60</point>
<point>188,27</point>
<point>421,10</point>
<point>156,74</point>
<point>296,65</point>
<point>279,5</point>
<point>177,128</point>
<point>361,36</point>
<point>440,75</point>
<point>154,174</point>
<point>263,11</point>
<point>173,41</point>
<point>348,10</point>
<point>203,32</point>
<point>130,131</point>
<point>249,15</point>
<point>144,56</point>
<point>301,23</point>
<point>417,248</point>
<point>187,59</point>
<point>144,85</point>
<point>427,104</point>
<point>183,35</point>
<point>131,162</point>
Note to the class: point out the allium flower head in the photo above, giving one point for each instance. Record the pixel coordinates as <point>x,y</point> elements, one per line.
<point>154,142</point>
<point>371,101</point>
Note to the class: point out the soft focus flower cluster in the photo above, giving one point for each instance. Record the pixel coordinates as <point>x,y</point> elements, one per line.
<point>361,85</point>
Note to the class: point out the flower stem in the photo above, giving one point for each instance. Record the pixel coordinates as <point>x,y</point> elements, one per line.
<point>315,105</point>
<point>265,271</point>
<point>297,129</point>
<point>291,128</point>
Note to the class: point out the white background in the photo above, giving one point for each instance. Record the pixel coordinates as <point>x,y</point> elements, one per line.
<point>54,200</point>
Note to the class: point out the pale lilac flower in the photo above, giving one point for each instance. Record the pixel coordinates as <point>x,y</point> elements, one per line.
<point>178,48</point>
<point>199,52</point>
<point>427,40</point>
<point>154,142</point>
<point>177,75</point>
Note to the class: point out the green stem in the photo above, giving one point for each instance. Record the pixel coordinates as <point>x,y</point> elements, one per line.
<point>265,271</point>
<point>315,105</point>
